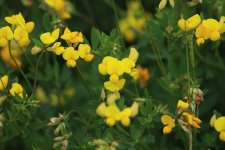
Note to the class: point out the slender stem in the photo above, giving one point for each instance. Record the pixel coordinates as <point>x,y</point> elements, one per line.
<point>122,130</point>
<point>154,49</point>
<point>118,26</point>
<point>27,57</point>
<point>84,81</point>
<point>36,69</point>
<point>190,138</point>
<point>19,68</point>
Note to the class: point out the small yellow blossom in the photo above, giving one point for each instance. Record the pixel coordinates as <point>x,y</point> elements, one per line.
<point>21,36</point>
<point>16,89</point>
<point>191,119</point>
<point>114,86</point>
<point>220,127</point>
<point>84,52</point>
<point>190,23</point>
<point>6,34</point>
<point>3,82</point>
<point>182,105</point>
<point>16,53</point>
<point>111,98</point>
<point>57,48</point>
<point>70,55</point>
<point>35,50</point>
<point>49,38</point>
<point>133,55</point>
<point>60,6</point>
<point>169,123</point>
<point>72,37</point>
<point>112,113</point>
<point>209,29</point>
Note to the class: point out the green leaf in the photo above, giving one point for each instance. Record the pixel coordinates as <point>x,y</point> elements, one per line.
<point>46,22</point>
<point>38,43</point>
<point>95,38</point>
<point>135,132</point>
<point>148,139</point>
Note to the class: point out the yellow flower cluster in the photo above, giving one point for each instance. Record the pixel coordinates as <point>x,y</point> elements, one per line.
<point>133,23</point>
<point>116,68</point>
<point>112,113</point>
<point>70,53</point>
<point>219,125</point>
<point>169,123</point>
<point>18,34</point>
<point>60,6</point>
<point>15,89</point>
<point>185,118</point>
<point>205,29</point>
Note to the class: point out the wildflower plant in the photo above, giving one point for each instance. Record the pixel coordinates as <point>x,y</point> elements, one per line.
<point>111,75</point>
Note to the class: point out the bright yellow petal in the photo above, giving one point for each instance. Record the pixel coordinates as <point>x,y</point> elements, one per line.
<point>3,82</point>
<point>220,124</point>
<point>166,119</point>
<point>55,34</point>
<point>46,38</point>
<point>29,27</point>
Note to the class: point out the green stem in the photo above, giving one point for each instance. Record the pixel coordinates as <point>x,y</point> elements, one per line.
<point>118,26</point>
<point>19,68</point>
<point>122,130</point>
<point>36,69</point>
<point>190,139</point>
<point>84,82</point>
<point>154,49</point>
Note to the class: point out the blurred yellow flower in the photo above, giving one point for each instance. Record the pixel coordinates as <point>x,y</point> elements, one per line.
<point>71,55</point>
<point>115,85</point>
<point>16,53</point>
<point>190,23</point>
<point>220,127</point>
<point>21,36</point>
<point>191,119</point>
<point>212,120</point>
<point>49,38</point>
<point>16,89</point>
<point>6,34</point>
<point>60,6</point>
<point>113,114</point>
<point>208,29</point>
<point>169,123</point>
<point>3,82</point>
<point>57,48</point>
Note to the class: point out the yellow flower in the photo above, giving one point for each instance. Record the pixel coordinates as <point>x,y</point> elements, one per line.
<point>182,105</point>
<point>21,36</point>
<point>16,89</point>
<point>115,66</point>
<point>18,20</point>
<point>169,123</point>
<point>128,64</point>
<point>113,114</point>
<point>6,34</point>
<point>70,55</point>
<point>57,49</point>
<point>114,86</point>
<point>3,82</point>
<point>125,117</point>
<point>60,7</point>
<point>72,37</point>
<point>16,53</point>
<point>102,66</point>
<point>162,4</point>
<point>191,119</point>
<point>49,38</point>
<point>190,23</point>
<point>84,52</point>
<point>134,73</point>
<point>220,127</point>
<point>35,50</point>
<point>208,29</point>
